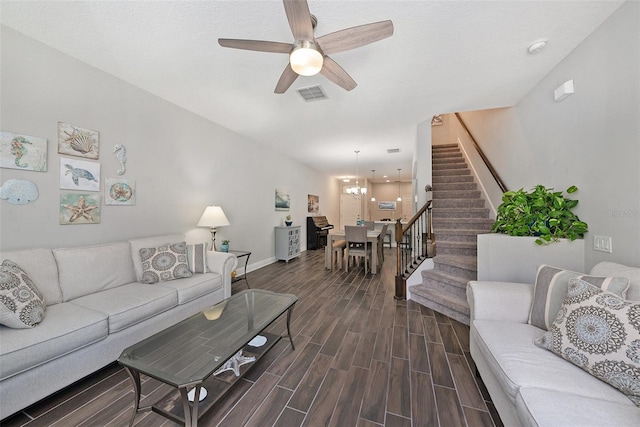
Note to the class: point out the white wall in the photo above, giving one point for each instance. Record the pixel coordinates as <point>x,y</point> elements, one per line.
<point>591,139</point>
<point>180,161</point>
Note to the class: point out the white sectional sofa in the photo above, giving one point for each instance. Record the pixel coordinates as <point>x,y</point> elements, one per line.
<point>96,306</point>
<point>529,385</point>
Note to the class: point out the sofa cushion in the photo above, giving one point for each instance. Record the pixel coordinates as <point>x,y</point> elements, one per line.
<point>65,328</point>
<point>551,288</point>
<point>618,270</point>
<point>21,303</point>
<point>149,242</point>
<point>194,287</point>
<point>516,362</point>
<point>599,332</point>
<point>164,263</point>
<point>197,257</point>
<point>90,269</point>
<point>129,304</point>
<point>540,407</point>
<point>41,266</point>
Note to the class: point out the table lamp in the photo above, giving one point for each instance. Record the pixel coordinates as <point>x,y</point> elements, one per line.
<point>213,217</point>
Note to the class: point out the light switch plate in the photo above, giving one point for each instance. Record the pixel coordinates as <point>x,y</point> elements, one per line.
<point>602,244</point>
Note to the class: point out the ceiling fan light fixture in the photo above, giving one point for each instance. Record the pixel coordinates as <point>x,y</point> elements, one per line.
<point>306,58</point>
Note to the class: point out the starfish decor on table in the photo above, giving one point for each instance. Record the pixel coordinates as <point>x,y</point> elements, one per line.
<point>234,363</point>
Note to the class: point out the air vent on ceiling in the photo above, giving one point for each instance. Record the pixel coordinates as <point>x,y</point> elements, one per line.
<point>312,93</point>
<point>393,150</point>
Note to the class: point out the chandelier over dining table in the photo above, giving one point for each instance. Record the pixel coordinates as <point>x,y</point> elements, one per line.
<point>357,191</point>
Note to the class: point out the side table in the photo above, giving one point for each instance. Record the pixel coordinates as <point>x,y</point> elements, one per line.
<point>246,255</point>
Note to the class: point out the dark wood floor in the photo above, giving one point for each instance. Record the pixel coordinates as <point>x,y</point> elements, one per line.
<point>361,359</point>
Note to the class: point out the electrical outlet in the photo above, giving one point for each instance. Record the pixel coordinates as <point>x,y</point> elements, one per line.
<point>602,244</point>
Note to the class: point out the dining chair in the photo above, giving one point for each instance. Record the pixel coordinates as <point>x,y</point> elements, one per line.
<point>381,238</point>
<point>371,225</point>
<point>337,251</point>
<point>357,245</point>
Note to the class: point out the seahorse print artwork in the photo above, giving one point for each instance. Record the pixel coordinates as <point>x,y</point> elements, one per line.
<point>77,173</point>
<point>121,155</point>
<point>18,149</point>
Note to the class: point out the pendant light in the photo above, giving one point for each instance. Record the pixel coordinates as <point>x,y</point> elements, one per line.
<point>373,173</point>
<point>399,198</point>
<point>356,191</point>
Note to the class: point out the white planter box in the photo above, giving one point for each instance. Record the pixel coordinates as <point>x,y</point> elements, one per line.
<point>507,258</point>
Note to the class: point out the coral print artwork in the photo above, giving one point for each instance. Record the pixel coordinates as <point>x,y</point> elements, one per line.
<point>76,141</point>
<point>18,151</point>
<point>79,175</point>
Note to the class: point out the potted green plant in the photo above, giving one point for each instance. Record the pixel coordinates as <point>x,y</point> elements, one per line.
<point>526,225</point>
<point>542,212</point>
<point>287,220</point>
<point>224,247</point>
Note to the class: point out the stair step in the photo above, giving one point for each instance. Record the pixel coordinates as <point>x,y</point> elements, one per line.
<point>456,235</point>
<point>469,263</point>
<point>446,304</point>
<point>446,154</point>
<point>479,224</point>
<point>446,160</point>
<point>448,186</point>
<point>460,213</point>
<point>449,172</point>
<point>443,281</point>
<point>452,247</point>
<point>447,166</point>
<point>445,146</point>
<point>443,179</point>
<point>458,203</point>
<point>456,194</point>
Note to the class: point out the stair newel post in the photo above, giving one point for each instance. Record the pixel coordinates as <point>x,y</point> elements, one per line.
<point>401,291</point>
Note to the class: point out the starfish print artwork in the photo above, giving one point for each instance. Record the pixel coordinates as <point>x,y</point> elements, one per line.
<point>81,210</point>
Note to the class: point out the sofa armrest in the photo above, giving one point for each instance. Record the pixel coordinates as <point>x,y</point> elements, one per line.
<point>499,300</point>
<point>222,263</point>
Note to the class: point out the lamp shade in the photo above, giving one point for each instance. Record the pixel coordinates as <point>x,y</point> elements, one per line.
<point>213,216</point>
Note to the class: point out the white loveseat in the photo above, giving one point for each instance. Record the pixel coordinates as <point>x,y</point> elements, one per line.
<point>96,306</point>
<point>529,385</point>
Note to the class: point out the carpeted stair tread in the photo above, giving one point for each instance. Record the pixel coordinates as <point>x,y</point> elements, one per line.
<point>444,179</point>
<point>460,261</point>
<point>458,203</point>
<point>456,194</point>
<point>448,279</point>
<point>480,224</point>
<point>449,166</point>
<point>445,304</point>
<point>451,247</point>
<point>455,186</point>
<point>460,213</point>
<point>448,172</point>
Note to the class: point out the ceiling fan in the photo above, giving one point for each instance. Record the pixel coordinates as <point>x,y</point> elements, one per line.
<point>308,54</point>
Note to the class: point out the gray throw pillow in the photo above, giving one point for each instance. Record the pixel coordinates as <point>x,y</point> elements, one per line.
<point>599,332</point>
<point>164,263</point>
<point>551,288</point>
<point>21,303</point>
<point>197,258</point>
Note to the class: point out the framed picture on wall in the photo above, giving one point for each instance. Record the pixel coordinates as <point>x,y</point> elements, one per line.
<point>387,206</point>
<point>19,151</point>
<point>283,200</point>
<point>313,203</point>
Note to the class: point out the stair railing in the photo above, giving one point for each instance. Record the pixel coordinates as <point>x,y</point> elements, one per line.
<point>485,159</point>
<point>412,244</point>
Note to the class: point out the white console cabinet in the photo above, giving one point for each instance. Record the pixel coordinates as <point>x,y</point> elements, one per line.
<point>287,242</point>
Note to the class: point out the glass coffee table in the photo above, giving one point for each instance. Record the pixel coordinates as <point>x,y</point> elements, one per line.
<point>204,355</point>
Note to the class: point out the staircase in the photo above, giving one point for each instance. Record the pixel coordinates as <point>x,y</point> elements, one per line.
<point>459,216</point>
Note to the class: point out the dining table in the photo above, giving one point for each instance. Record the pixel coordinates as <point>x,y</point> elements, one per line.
<point>372,237</point>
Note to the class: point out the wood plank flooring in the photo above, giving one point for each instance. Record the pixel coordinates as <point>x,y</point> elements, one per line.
<point>362,359</point>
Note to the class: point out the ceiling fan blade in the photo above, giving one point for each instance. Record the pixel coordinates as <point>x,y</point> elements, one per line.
<point>351,38</point>
<point>259,45</point>
<point>299,19</point>
<point>286,80</point>
<point>335,73</point>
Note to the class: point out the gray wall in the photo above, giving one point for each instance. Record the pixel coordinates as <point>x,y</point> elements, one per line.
<point>591,139</point>
<point>181,162</point>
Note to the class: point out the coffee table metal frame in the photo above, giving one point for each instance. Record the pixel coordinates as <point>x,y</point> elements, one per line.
<point>216,332</point>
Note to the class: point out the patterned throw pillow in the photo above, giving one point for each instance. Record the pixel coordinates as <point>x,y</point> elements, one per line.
<point>164,263</point>
<point>197,258</point>
<point>599,332</point>
<point>551,288</point>
<point>21,303</point>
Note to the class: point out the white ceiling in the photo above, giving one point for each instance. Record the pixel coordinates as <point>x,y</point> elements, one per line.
<point>444,56</point>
